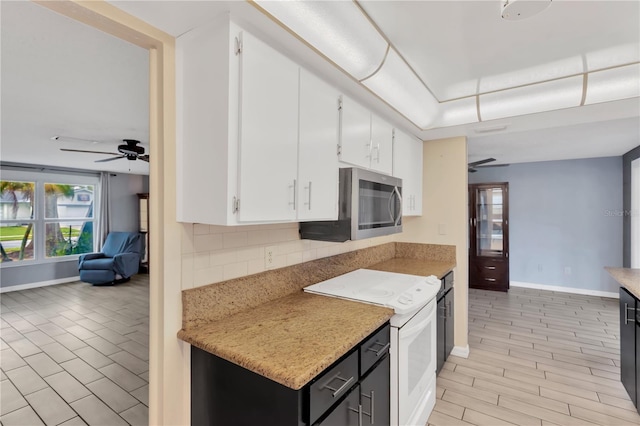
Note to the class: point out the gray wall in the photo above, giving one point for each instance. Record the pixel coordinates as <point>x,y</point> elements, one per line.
<point>124,210</point>
<point>563,214</point>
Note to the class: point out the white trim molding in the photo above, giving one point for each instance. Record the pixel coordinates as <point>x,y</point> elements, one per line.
<point>461,351</point>
<point>573,290</point>
<point>38,284</point>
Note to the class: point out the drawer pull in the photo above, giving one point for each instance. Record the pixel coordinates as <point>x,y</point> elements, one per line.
<point>490,267</point>
<point>626,314</point>
<point>490,279</point>
<point>371,397</point>
<point>381,350</point>
<point>359,411</point>
<point>345,385</point>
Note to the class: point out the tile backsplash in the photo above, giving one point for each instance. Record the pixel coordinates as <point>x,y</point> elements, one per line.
<point>213,253</point>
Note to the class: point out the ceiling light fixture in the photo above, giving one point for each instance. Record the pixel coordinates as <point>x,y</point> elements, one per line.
<point>337,29</point>
<point>515,10</point>
<point>398,85</point>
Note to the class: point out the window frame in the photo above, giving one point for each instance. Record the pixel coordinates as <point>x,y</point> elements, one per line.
<point>39,221</point>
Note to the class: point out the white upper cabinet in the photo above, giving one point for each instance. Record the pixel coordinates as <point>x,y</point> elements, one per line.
<point>381,145</point>
<point>407,165</point>
<point>255,144</point>
<point>365,139</point>
<point>317,183</point>
<point>268,133</point>
<point>355,133</point>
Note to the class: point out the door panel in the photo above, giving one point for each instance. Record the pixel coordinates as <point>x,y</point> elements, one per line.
<point>449,324</point>
<point>375,396</point>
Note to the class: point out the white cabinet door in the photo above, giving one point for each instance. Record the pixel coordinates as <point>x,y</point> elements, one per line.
<point>407,165</point>
<point>317,150</point>
<point>381,145</point>
<point>355,133</point>
<point>268,133</point>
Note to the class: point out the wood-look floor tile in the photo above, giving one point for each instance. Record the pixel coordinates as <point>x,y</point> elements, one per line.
<point>439,419</point>
<point>449,409</point>
<point>527,397</point>
<point>469,391</point>
<point>598,417</point>
<point>520,383</point>
<point>456,377</point>
<point>492,410</point>
<point>539,412</point>
<point>480,419</point>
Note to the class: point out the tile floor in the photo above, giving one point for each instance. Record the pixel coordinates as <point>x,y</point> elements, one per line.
<point>75,354</point>
<point>536,358</point>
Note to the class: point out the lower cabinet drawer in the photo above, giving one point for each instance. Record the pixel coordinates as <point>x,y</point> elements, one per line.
<point>332,385</point>
<point>374,349</point>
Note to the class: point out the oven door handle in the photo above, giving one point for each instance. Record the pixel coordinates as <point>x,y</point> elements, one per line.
<point>415,329</point>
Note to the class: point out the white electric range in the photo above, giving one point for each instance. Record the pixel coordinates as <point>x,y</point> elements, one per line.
<point>413,333</point>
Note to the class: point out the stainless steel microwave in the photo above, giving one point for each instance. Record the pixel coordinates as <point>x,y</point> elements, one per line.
<point>370,205</point>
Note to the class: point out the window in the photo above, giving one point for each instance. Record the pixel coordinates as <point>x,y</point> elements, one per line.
<point>46,216</point>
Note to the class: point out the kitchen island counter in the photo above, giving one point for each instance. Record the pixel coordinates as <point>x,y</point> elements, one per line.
<point>291,339</point>
<point>628,278</point>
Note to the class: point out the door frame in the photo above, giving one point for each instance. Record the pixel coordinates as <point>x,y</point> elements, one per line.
<point>169,394</point>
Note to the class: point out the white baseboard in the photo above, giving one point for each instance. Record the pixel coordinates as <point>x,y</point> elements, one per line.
<point>38,284</point>
<point>573,290</point>
<point>461,351</point>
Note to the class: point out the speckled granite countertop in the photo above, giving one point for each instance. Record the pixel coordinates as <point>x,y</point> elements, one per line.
<point>415,267</point>
<point>628,278</point>
<point>291,339</point>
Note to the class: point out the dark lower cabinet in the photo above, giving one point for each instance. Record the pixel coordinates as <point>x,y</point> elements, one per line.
<point>637,359</point>
<point>445,315</point>
<point>628,343</point>
<point>353,391</point>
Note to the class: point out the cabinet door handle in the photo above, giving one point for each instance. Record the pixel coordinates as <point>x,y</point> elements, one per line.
<point>359,411</point>
<point>490,267</point>
<point>378,156</point>
<point>345,385</point>
<point>309,202</point>
<point>381,350</point>
<point>295,188</point>
<point>444,311</point>
<point>626,314</point>
<point>490,279</point>
<point>371,413</point>
<point>449,310</point>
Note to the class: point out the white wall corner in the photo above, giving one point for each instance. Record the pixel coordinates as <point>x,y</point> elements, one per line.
<point>461,351</point>
<point>572,290</point>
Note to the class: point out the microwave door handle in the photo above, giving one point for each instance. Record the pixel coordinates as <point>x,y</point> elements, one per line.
<point>395,190</point>
<point>390,207</point>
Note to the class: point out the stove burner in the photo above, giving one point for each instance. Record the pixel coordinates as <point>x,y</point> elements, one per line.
<point>375,292</point>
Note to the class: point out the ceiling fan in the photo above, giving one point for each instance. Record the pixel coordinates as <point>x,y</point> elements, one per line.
<point>474,166</point>
<point>129,150</point>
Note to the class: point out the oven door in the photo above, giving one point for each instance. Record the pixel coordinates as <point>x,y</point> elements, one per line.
<point>416,352</point>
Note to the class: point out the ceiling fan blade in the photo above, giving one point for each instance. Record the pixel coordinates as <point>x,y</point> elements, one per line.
<point>472,170</point>
<point>89,152</point>
<point>144,157</point>
<point>493,165</point>
<point>110,159</point>
<point>477,163</point>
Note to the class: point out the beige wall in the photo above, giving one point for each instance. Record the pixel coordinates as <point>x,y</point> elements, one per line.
<point>444,216</point>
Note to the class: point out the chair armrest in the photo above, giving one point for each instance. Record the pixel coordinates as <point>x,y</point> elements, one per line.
<point>89,256</point>
<point>126,264</point>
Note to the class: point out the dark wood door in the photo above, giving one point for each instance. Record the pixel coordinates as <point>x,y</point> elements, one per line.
<point>627,343</point>
<point>489,236</point>
<point>345,413</point>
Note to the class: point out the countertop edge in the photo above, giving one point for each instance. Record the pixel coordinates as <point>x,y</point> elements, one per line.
<point>629,278</point>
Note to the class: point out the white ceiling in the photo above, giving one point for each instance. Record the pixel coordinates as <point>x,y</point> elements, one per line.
<point>61,77</point>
